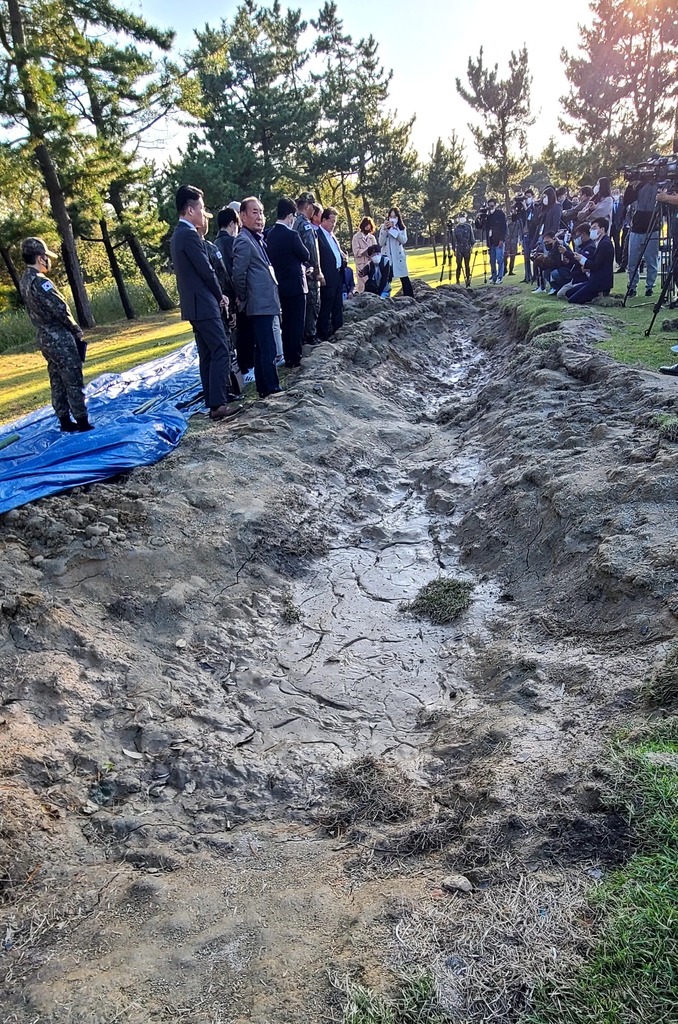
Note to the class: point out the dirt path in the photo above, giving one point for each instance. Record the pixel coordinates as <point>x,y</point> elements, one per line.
<point>190,652</point>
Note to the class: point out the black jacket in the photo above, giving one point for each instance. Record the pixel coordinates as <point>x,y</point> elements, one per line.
<point>377,275</point>
<point>199,291</point>
<point>496,227</point>
<point>601,266</point>
<point>288,254</point>
<point>224,243</point>
<point>333,275</point>
<point>578,275</point>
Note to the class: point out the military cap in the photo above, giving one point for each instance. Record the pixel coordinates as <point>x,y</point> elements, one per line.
<point>31,248</point>
<point>306,197</point>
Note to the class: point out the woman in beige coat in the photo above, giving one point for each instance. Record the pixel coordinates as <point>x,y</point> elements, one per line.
<point>362,240</point>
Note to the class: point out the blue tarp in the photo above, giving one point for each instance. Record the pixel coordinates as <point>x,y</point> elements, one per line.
<point>43,461</point>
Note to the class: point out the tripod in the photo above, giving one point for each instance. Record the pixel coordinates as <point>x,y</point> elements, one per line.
<point>476,250</point>
<point>666,288</point>
<point>447,257</point>
<point>653,228</point>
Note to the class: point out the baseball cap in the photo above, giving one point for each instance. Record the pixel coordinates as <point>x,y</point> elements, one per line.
<point>235,205</point>
<point>31,248</point>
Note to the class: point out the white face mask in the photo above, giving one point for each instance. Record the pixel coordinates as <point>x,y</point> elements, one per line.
<point>529,200</point>
<point>490,209</point>
<point>376,258</point>
<point>615,196</point>
<point>462,220</point>
<point>393,220</point>
<point>596,189</point>
<point>545,200</point>
<point>594,234</point>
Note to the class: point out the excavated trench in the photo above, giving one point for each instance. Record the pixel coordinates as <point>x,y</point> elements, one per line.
<point>236,769</point>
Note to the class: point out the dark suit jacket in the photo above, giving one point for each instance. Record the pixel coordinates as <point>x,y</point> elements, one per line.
<point>601,266</point>
<point>199,291</point>
<point>618,216</point>
<point>288,254</point>
<point>224,243</point>
<point>333,275</point>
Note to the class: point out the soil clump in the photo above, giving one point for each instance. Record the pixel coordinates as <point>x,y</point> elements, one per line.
<point>236,767</point>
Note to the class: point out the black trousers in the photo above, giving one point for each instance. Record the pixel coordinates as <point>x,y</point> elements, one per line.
<point>406,286</point>
<point>244,342</point>
<point>215,360</point>
<point>293,309</point>
<point>615,236</point>
<point>331,310</point>
<point>464,258</point>
<point>265,373</point>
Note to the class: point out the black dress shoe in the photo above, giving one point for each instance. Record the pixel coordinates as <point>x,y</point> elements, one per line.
<point>648,293</point>
<point>224,412</point>
<point>670,371</point>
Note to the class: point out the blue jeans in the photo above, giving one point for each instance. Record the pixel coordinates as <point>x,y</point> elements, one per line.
<point>651,257</point>
<point>497,261</point>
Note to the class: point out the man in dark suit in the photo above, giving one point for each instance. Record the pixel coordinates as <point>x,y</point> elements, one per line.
<point>332,263</point>
<point>289,257</point>
<point>202,301</point>
<point>617,224</point>
<point>256,287</point>
<point>599,268</point>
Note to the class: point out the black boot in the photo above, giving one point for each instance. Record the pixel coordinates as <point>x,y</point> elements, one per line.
<point>84,424</point>
<point>67,425</point>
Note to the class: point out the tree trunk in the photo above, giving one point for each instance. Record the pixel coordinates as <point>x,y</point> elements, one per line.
<point>151,278</point>
<point>366,207</point>
<point>115,270</point>
<point>347,209</point>
<point>12,271</point>
<point>433,243</point>
<point>48,169</point>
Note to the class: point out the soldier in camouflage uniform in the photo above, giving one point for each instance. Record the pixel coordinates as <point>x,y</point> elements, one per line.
<point>59,337</point>
<point>304,228</point>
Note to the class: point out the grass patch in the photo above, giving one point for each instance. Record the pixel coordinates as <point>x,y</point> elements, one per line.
<point>667,427</point>
<point>632,976</point>
<point>368,791</point>
<point>442,600</point>
<point>661,688</point>
<point>289,612</point>
<point>416,1003</point>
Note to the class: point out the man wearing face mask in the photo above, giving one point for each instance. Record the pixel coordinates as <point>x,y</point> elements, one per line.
<point>599,268</point>
<point>463,241</point>
<point>496,233</point>
<point>59,337</point>
<point>617,224</point>
<point>584,245</point>
<point>377,272</point>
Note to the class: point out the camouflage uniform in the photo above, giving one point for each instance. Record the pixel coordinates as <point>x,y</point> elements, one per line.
<point>306,232</point>
<point>57,334</point>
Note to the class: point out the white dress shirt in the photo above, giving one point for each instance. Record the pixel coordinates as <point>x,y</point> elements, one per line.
<point>334,244</point>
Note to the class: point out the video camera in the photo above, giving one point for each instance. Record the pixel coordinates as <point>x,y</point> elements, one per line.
<point>519,205</point>
<point>662,170</point>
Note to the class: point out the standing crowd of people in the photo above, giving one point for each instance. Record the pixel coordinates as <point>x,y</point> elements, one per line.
<point>255,296</point>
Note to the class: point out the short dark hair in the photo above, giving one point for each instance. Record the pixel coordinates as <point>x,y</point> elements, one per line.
<point>328,212</point>
<point>561,192</point>
<point>586,190</point>
<point>602,222</point>
<point>549,234</point>
<point>529,192</point>
<point>187,195</point>
<point>285,208</point>
<point>492,200</point>
<point>373,250</point>
<point>582,229</point>
<point>227,216</point>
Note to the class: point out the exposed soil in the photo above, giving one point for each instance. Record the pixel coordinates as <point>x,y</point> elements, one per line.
<point>235,770</point>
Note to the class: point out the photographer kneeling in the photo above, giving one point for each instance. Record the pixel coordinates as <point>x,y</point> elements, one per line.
<point>599,267</point>
<point>586,247</point>
<point>377,272</point>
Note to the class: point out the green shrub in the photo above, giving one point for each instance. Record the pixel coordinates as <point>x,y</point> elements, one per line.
<point>16,329</point>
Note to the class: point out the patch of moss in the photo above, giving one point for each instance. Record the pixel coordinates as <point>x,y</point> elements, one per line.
<point>667,427</point>
<point>661,687</point>
<point>442,600</point>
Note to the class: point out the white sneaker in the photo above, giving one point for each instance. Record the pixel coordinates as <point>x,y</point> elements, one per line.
<point>279,360</point>
<point>248,378</point>
<point>535,290</point>
<point>552,292</point>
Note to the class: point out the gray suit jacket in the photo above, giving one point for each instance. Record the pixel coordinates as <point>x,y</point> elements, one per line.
<point>254,284</point>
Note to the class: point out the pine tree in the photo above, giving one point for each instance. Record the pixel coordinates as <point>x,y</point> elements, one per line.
<point>624,86</point>
<point>504,106</point>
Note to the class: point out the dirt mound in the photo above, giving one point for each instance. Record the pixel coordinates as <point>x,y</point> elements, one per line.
<point>232,762</point>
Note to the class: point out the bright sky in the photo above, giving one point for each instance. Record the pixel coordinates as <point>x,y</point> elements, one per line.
<point>428,43</point>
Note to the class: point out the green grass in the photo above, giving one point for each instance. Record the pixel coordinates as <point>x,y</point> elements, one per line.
<point>25,384</point>
<point>416,1003</point>
<point>442,600</point>
<point>632,976</point>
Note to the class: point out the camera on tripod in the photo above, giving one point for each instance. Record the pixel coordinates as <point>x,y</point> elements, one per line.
<point>662,170</point>
<point>481,218</point>
<point>519,205</point>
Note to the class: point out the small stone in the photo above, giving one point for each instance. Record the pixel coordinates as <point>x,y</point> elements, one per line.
<point>319,390</point>
<point>12,515</point>
<point>180,644</point>
<point>457,883</point>
<point>38,560</point>
<point>96,530</point>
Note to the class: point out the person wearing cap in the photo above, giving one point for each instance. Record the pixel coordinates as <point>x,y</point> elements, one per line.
<point>305,230</point>
<point>59,336</point>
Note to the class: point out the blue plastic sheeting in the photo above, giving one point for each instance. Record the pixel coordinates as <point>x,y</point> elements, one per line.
<point>43,461</point>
